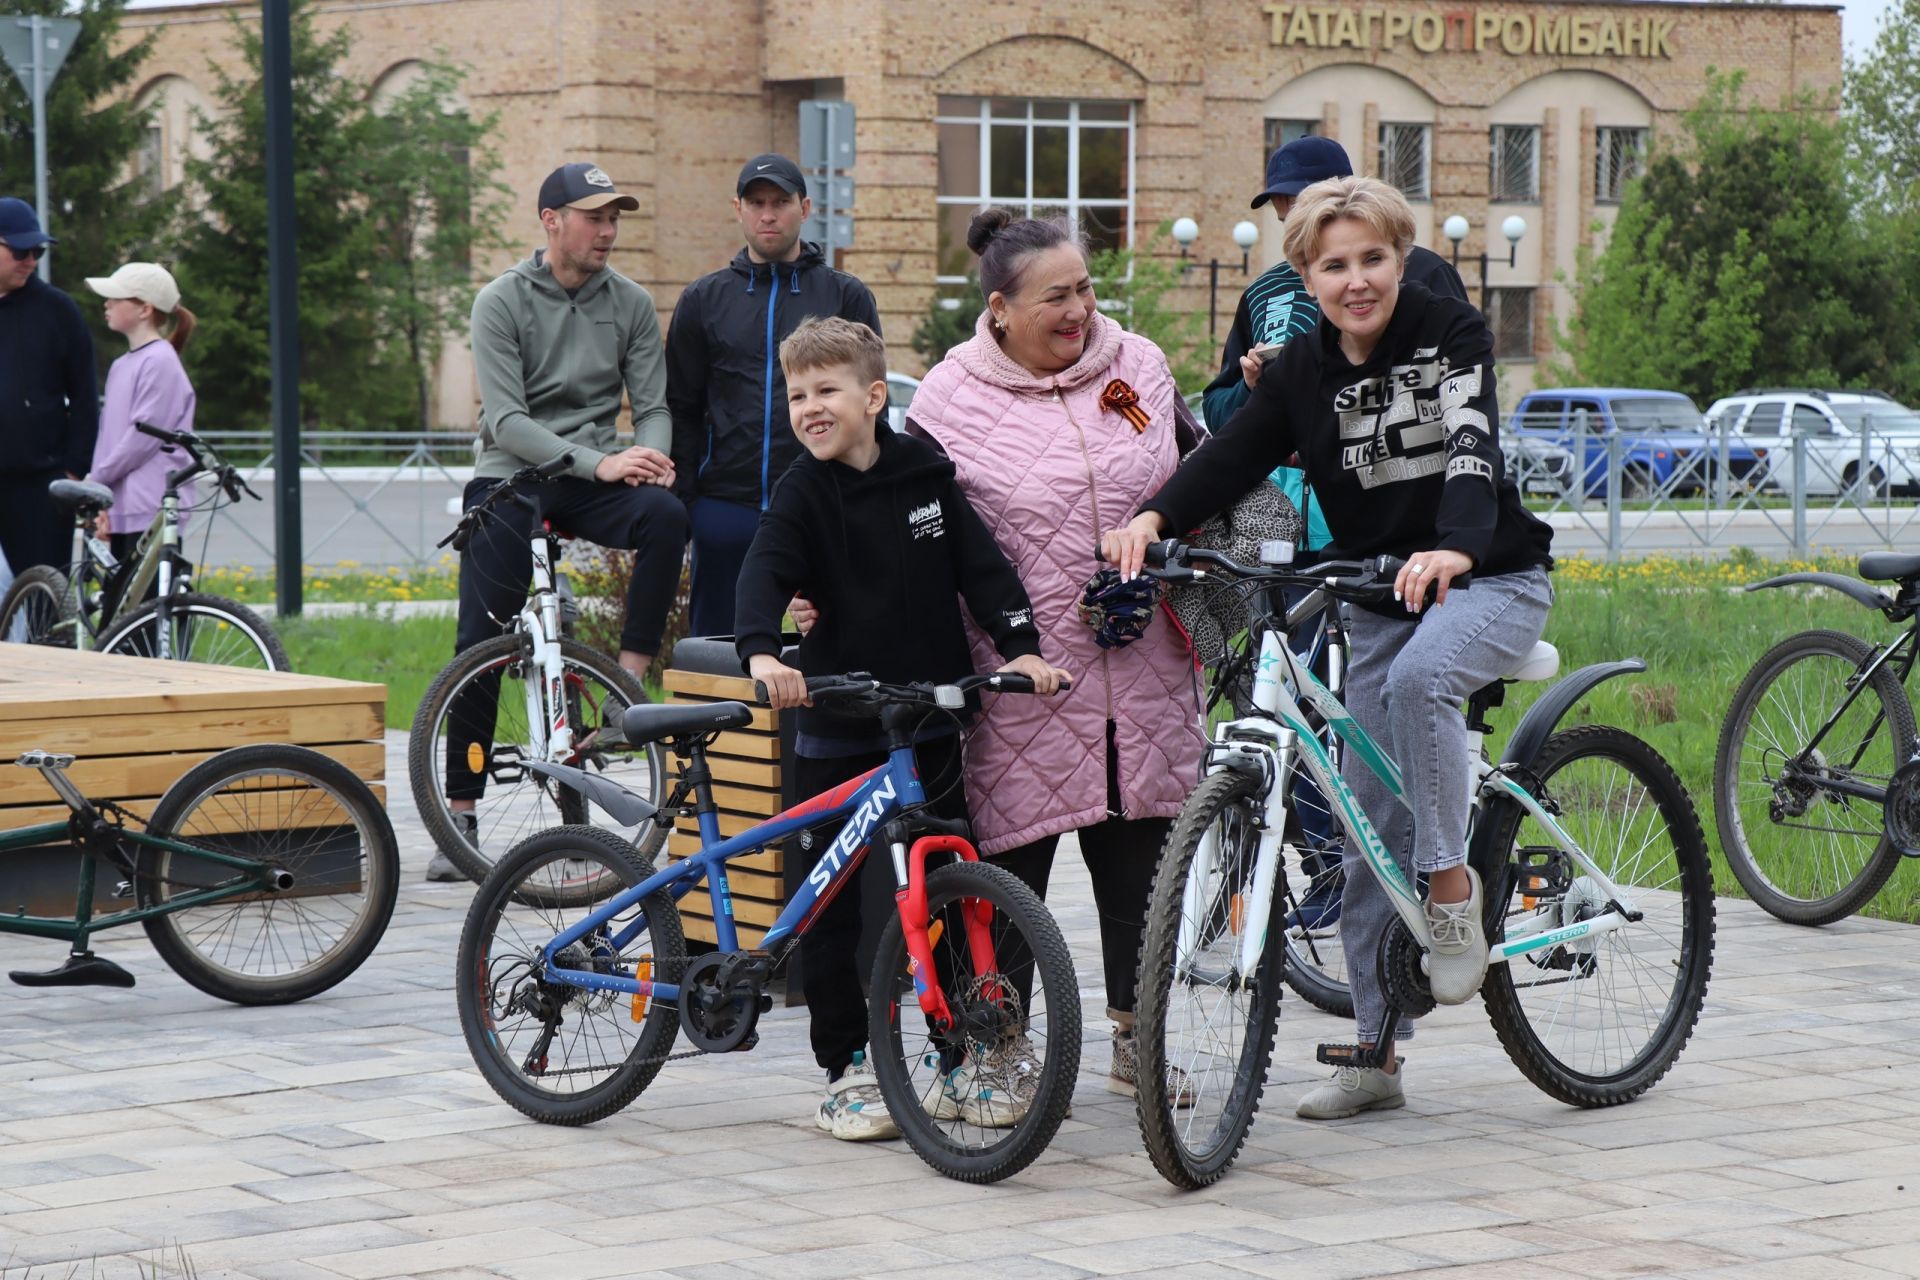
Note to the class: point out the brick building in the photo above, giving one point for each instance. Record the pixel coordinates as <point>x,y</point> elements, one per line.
<point>1124,113</point>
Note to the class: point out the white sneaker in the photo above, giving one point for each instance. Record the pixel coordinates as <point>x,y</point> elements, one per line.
<point>853,1110</point>
<point>994,1092</point>
<point>1351,1091</point>
<point>1457,964</point>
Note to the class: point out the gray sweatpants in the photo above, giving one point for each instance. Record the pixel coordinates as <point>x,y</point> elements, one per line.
<point>1405,686</point>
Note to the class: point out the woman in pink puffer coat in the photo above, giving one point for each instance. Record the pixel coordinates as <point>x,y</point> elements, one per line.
<point>1060,424</point>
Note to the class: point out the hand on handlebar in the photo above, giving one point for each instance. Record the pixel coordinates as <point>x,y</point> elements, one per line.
<point>1429,570</point>
<point>635,466</point>
<point>1047,679</point>
<point>1126,548</point>
<point>784,686</point>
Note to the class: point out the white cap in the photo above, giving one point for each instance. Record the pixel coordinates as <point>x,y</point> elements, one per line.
<point>146,281</point>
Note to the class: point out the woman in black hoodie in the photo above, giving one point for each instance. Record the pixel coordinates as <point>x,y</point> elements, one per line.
<point>1390,405</point>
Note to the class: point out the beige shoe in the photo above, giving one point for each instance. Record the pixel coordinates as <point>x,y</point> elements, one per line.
<point>1457,964</point>
<point>1123,1076</point>
<point>1351,1091</point>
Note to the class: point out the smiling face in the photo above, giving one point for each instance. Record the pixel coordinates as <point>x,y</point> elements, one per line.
<point>833,413</point>
<point>770,218</point>
<point>1354,274</point>
<point>1043,326</point>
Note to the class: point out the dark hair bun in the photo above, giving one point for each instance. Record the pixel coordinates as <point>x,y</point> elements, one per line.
<point>986,224</point>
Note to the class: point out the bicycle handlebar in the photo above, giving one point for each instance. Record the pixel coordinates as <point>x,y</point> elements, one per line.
<point>862,689</point>
<point>1361,581</point>
<point>205,458</point>
<point>507,491</point>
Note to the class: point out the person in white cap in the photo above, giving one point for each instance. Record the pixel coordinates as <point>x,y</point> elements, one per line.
<point>148,384</point>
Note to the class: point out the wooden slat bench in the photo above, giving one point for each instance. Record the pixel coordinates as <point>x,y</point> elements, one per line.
<point>137,724</point>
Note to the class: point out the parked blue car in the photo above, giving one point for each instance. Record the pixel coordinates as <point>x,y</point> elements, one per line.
<point>1663,441</point>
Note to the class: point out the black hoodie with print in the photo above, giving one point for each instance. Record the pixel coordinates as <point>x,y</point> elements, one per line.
<point>725,389</point>
<point>1403,449</point>
<point>886,555</point>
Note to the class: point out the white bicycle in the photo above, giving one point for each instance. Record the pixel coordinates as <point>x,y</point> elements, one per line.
<point>530,697</point>
<point>1599,898</point>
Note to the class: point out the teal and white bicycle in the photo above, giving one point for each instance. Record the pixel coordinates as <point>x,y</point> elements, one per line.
<point>1599,897</point>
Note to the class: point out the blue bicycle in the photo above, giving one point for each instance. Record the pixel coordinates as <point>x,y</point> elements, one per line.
<point>570,1009</point>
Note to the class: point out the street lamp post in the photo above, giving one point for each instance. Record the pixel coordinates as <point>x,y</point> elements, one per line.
<point>1185,232</point>
<point>1513,228</point>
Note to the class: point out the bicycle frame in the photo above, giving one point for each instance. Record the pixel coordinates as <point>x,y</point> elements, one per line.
<point>1900,656</point>
<point>867,803</point>
<point>1273,740</point>
<point>159,548</point>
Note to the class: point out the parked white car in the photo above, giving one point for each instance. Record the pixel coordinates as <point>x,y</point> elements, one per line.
<point>1856,441</point>
<point>900,389</point>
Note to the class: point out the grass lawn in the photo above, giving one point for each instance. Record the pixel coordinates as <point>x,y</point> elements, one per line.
<point>1688,619</point>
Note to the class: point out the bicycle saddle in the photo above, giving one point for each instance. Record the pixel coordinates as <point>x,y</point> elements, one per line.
<point>81,493</point>
<point>1542,663</point>
<point>652,721</point>
<point>1889,566</point>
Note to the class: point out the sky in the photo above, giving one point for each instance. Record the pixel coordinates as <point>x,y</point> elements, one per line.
<point>1859,20</point>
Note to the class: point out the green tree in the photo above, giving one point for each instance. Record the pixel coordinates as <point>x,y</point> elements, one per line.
<point>1883,107</point>
<point>1739,258</point>
<point>947,327</point>
<point>433,197</point>
<point>103,213</point>
<point>1139,280</point>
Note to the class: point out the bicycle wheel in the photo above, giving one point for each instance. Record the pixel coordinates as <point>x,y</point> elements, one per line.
<point>454,746</point>
<point>559,1053</point>
<point>1803,850</point>
<point>201,628</point>
<point>1200,1012</point>
<point>294,809</point>
<point>1596,1021</point>
<point>981,1102</point>
<point>1316,881</point>
<point>39,608</point>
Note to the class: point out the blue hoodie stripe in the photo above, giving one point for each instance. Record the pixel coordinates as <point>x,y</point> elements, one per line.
<point>766,422</point>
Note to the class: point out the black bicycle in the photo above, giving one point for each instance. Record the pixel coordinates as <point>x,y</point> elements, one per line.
<point>1814,791</point>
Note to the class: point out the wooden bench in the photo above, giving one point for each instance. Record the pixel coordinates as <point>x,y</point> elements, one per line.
<point>137,724</point>
<point>747,789</point>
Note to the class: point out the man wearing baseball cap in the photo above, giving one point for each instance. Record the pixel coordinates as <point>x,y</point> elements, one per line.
<point>556,340</point>
<point>728,396</point>
<point>1275,308</point>
<point>49,400</point>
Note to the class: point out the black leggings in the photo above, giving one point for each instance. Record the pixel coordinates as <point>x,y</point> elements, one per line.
<point>1122,855</point>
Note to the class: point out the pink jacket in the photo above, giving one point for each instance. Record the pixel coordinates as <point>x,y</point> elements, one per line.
<point>1049,470</point>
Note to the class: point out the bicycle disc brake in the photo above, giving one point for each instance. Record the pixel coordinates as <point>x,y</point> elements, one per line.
<point>1403,979</point>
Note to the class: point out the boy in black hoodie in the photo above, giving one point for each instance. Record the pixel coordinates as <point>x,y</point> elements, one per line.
<point>873,527</point>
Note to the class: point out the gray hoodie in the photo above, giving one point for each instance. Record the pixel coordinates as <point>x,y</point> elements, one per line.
<point>551,368</point>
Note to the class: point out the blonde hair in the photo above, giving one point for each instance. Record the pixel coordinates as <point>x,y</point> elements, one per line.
<point>830,340</point>
<point>1366,200</point>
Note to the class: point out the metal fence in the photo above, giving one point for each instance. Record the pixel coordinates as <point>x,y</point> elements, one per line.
<point>381,499</point>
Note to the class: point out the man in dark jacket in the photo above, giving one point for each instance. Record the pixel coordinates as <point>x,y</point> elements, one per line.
<point>725,390</point>
<point>49,401</point>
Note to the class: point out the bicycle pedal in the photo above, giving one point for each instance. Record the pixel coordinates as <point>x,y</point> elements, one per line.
<point>746,1046</point>
<point>1350,1055</point>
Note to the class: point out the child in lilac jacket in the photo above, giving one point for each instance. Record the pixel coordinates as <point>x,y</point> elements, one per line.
<point>148,384</point>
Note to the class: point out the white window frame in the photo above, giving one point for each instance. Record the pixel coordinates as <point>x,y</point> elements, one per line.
<point>1025,205</point>
<point>1609,193</point>
<point>1425,194</point>
<point>1494,174</point>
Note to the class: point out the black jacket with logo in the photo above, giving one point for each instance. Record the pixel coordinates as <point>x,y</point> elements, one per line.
<point>1403,449</point>
<point>886,555</point>
<point>725,390</point>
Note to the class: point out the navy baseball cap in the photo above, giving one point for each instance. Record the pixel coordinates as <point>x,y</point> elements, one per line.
<point>582,185</point>
<point>780,171</point>
<point>1300,164</point>
<point>20,225</point>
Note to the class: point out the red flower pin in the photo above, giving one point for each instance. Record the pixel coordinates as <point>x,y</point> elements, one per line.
<point>1125,401</point>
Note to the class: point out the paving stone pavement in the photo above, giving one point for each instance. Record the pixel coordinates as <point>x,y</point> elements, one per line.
<point>159,1131</point>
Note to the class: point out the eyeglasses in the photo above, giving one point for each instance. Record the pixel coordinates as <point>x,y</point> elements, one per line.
<point>26,255</point>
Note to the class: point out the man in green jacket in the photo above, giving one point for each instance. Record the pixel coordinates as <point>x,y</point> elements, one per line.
<point>556,340</point>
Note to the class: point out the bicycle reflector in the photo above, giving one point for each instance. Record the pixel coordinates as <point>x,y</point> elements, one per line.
<point>1900,813</point>
<point>1901,810</point>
